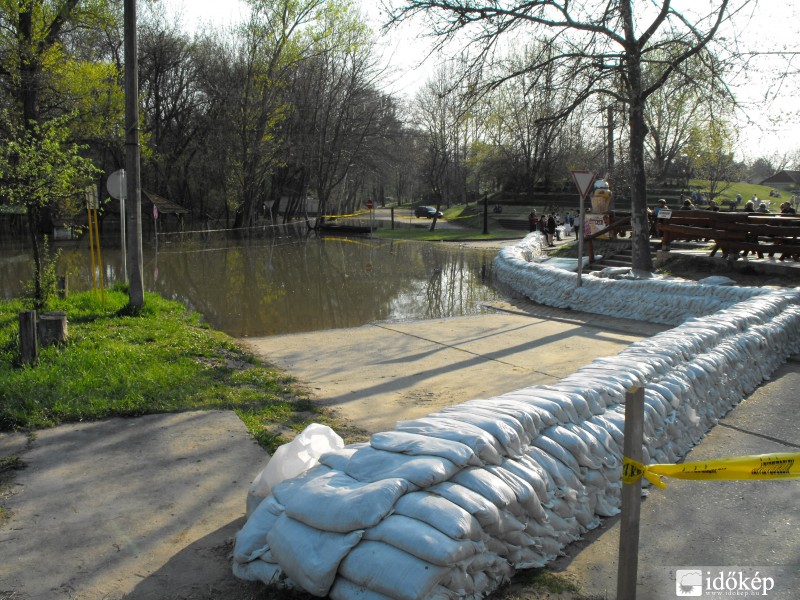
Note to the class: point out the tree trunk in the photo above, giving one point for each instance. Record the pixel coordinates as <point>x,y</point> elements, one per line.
<point>642,259</point>
<point>640,243</point>
<point>33,231</point>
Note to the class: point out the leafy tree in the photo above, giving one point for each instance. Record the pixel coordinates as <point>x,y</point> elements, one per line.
<point>761,169</point>
<point>711,156</point>
<point>41,167</point>
<point>41,170</point>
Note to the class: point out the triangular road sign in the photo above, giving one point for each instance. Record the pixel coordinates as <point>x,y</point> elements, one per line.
<point>583,180</point>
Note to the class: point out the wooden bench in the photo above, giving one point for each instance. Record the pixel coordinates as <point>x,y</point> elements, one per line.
<point>735,232</point>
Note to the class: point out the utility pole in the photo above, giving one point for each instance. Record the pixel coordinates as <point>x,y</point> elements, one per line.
<point>133,178</point>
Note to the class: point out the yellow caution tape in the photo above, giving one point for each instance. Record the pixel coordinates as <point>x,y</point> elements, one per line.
<point>780,465</point>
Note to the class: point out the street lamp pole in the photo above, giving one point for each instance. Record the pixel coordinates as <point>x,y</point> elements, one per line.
<point>133,182</point>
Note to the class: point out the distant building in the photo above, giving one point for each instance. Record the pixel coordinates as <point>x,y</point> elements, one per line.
<point>784,180</point>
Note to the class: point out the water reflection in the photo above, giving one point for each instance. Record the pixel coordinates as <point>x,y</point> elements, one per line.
<point>288,284</point>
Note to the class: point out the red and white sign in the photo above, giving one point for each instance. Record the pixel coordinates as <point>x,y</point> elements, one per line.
<point>369,204</point>
<point>583,181</point>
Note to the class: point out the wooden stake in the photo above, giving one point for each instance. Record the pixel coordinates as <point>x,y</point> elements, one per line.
<point>628,565</point>
<point>28,342</point>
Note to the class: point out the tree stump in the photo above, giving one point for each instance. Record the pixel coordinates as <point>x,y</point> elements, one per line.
<point>28,342</point>
<point>53,328</point>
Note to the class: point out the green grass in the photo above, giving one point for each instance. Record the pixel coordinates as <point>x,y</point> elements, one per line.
<point>164,360</point>
<point>746,190</point>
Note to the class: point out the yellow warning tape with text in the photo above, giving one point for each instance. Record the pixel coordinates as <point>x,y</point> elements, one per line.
<point>780,465</point>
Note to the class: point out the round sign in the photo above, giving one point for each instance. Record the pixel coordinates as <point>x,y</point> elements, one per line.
<point>116,185</point>
<point>369,203</point>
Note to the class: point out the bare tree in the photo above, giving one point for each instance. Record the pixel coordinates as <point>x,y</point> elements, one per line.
<point>529,141</point>
<point>605,46</point>
<point>675,110</point>
<point>433,120</point>
<point>174,105</point>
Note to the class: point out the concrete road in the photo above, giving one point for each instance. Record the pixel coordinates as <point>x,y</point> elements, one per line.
<point>378,374</point>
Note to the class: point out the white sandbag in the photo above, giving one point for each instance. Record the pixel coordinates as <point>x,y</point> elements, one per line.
<point>556,402</point>
<point>556,450</point>
<point>338,459</point>
<point>415,444</point>
<point>575,445</point>
<point>251,540</point>
<point>528,416</point>
<point>492,519</point>
<point>368,464</point>
<point>524,491</point>
<point>612,450</point>
<point>564,477</point>
<point>338,503</point>
<point>531,473</point>
<point>423,541</point>
<point>310,557</point>
<point>390,571</point>
<point>485,446</point>
<point>506,430</point>
<point>438,512</point>
<point>487,485</point>
<point>294,458</point>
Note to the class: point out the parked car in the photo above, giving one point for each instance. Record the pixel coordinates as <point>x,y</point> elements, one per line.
<point>428,212</point>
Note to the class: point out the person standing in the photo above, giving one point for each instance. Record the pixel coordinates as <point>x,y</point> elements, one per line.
<point>532,221</point>
<point>576,223</point>
<point>551,229</point>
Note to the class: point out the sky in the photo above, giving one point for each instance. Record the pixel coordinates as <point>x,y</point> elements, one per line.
<point>769,122</point>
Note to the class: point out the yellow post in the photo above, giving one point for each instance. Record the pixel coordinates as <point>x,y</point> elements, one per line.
<point>89,208</point>
<point>94,240</point>
<point>99,256</point>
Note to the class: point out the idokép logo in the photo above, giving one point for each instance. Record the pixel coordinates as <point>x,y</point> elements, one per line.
<point>689,582</point>
<point>704,582</point>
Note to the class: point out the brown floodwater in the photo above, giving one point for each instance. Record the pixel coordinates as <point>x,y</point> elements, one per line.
<point>288,284</point>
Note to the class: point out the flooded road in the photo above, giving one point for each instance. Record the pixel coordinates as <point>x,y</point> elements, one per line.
<point>287,284</point>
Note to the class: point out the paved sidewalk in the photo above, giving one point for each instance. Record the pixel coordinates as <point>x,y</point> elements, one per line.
<point>142,509</point>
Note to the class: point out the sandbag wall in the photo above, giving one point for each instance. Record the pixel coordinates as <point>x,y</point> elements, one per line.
<point>449,505</point>
<point>652,300</point>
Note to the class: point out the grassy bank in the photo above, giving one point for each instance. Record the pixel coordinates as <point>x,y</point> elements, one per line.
<point>163,360</point>
<point>468,220</point>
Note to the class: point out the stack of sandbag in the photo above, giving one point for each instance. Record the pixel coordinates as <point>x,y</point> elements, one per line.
<point>449,505</point>
<point>656,300</point>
